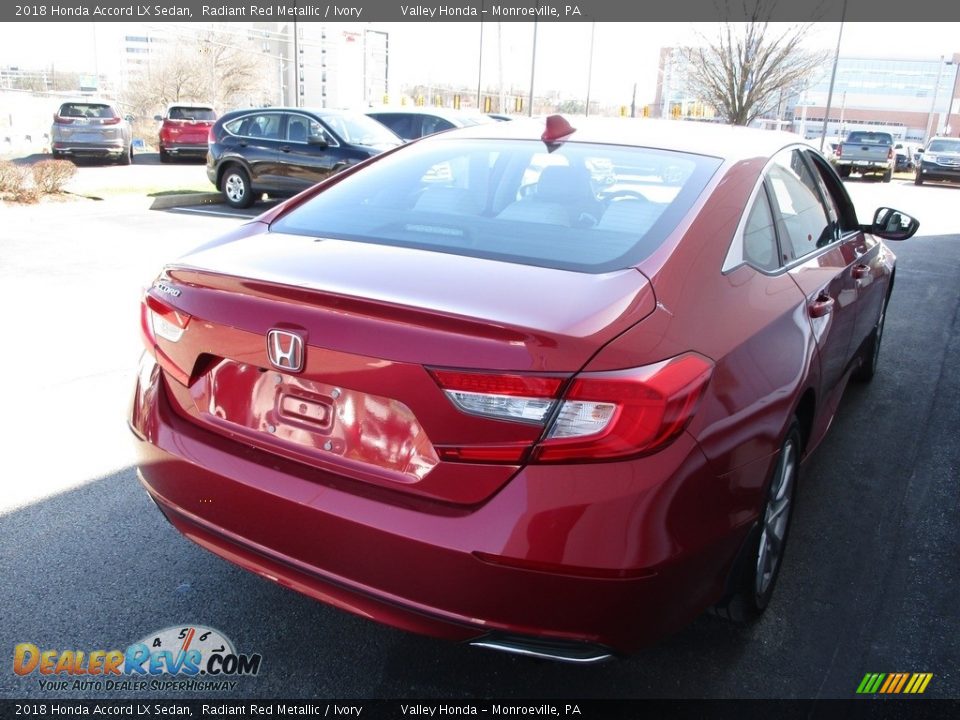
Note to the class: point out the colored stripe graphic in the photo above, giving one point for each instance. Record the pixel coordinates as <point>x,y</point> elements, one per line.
<point>894,683</point>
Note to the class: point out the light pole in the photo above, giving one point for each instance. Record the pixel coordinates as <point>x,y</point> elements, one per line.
<point>480,64</point>
<point>833,78</point>
<point>593,28</point>
<point>933,103</point>
<point>533,66</point>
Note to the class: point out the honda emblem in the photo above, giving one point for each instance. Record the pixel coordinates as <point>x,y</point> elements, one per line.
<point>285,350</point>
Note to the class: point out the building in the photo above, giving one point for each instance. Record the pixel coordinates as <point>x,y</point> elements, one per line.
<point>337,65</point>
<point>912,99</point>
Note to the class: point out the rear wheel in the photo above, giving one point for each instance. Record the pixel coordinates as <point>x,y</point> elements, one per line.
<point>918,178</point>
<point>757,569</point>
<point>871,355</point>
<point>127,157</point>
<point>236,187</point>
<point>887,176</point>
<point>164,156</point>
<point>844,172</point>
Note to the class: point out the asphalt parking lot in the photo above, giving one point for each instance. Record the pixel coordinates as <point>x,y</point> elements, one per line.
<point>869,583</point>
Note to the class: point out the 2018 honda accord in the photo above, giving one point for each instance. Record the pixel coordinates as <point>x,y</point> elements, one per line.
<point>535,387</point>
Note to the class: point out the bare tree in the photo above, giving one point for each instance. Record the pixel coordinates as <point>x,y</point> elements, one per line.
<point>210,67</point>
<point>750,67</point>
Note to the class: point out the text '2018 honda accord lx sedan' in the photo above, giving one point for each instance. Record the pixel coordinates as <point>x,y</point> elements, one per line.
<point>534,387</point>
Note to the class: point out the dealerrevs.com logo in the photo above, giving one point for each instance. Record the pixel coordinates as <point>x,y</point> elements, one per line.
<point>188,657</point>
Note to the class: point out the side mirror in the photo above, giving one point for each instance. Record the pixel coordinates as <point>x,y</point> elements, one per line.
<point>128,117</point>
<point>318,140</point>
<point>158,118</point>
<point>892,224</point>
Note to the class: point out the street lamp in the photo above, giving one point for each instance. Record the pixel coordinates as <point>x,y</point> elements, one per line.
<point>933,103</point>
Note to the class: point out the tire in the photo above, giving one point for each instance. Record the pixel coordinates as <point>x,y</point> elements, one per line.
<point>918,178</point>
<point>757,569</point>
<point>235,186</point>
<point>844,172</point>
<point>127,157</point>
<point>887,176</point>
<point>165,156</point>
<point>871,353</point>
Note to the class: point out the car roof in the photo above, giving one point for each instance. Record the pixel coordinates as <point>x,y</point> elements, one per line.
<point>320,112</point>
<point>208,106</point>
<point>730,142</point>
<point>446,113</point>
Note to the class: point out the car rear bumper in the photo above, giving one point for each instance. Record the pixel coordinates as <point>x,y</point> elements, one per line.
<point>111,149</point>
<point>581,560</point>
<point>192,150</point>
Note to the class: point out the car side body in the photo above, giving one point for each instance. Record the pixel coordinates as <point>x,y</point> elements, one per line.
<point>478,389</point>
<point>283,151</point>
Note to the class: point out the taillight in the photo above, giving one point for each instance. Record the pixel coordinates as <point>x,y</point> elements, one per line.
<point>506,397</point>
<point>211,138</point>
<point>839,150</point>
<point>110,121</point>
<point>618,414</point>
<point>163,320</point>
<point>62,120</point>
<point>600,416</point>
<point>890,154</point>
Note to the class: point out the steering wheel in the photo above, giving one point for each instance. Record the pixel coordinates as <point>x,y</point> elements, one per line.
<point>624,195</point>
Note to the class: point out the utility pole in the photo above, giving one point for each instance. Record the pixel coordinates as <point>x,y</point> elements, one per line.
<point>593,29</point>
<point>833,77</point>
<point>933,103</point>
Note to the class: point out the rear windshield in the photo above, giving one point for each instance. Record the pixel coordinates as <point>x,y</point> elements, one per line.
<point>588,208</point>
<point>183,112</point>
<point>870,138</point>
<point>87,110</point>
<point>944,146</point>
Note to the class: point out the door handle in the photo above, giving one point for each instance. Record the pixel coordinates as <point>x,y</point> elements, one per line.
<point>285,148</point>
<point>822,306</point>
<point>861,271</point>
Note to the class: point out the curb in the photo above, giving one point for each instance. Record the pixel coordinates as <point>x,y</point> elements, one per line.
<point>165,202</point>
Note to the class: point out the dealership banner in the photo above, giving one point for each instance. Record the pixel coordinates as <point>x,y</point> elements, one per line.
<point>444,709</point>
<point>475,11</point>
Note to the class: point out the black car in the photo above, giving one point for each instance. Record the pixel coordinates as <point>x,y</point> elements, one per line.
<point>940,161</point>
<point>282,151</point>
<point>413,123</point>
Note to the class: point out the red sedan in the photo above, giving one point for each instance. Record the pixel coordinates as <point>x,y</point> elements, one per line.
<point>539,388</point>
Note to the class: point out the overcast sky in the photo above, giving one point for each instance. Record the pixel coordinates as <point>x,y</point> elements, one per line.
<point>448,53</point>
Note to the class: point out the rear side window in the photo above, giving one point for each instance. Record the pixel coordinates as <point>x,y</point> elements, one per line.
<point>265,125</point>
<point>805,224</point>
<point>588,208</point>
<point>184,112</point>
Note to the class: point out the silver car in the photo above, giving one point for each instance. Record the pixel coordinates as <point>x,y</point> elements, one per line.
<point>91,128</point>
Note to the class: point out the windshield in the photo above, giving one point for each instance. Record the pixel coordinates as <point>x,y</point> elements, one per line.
<point>360,130</point>
<point>943,146</point>
<point>870,138</point>
<point>87,110</point>
<point>191,113</point>
<point>589,208</point>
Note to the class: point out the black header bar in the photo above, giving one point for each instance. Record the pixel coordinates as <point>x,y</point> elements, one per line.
<point>476,11</point>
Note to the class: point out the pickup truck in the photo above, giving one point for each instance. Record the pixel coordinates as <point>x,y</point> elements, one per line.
<point>866,152</point>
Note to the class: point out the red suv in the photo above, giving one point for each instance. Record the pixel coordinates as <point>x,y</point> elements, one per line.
<point>184,131</point>
<point>541,389</point>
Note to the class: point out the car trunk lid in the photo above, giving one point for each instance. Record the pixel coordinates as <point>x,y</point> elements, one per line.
<point>374,322</point>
